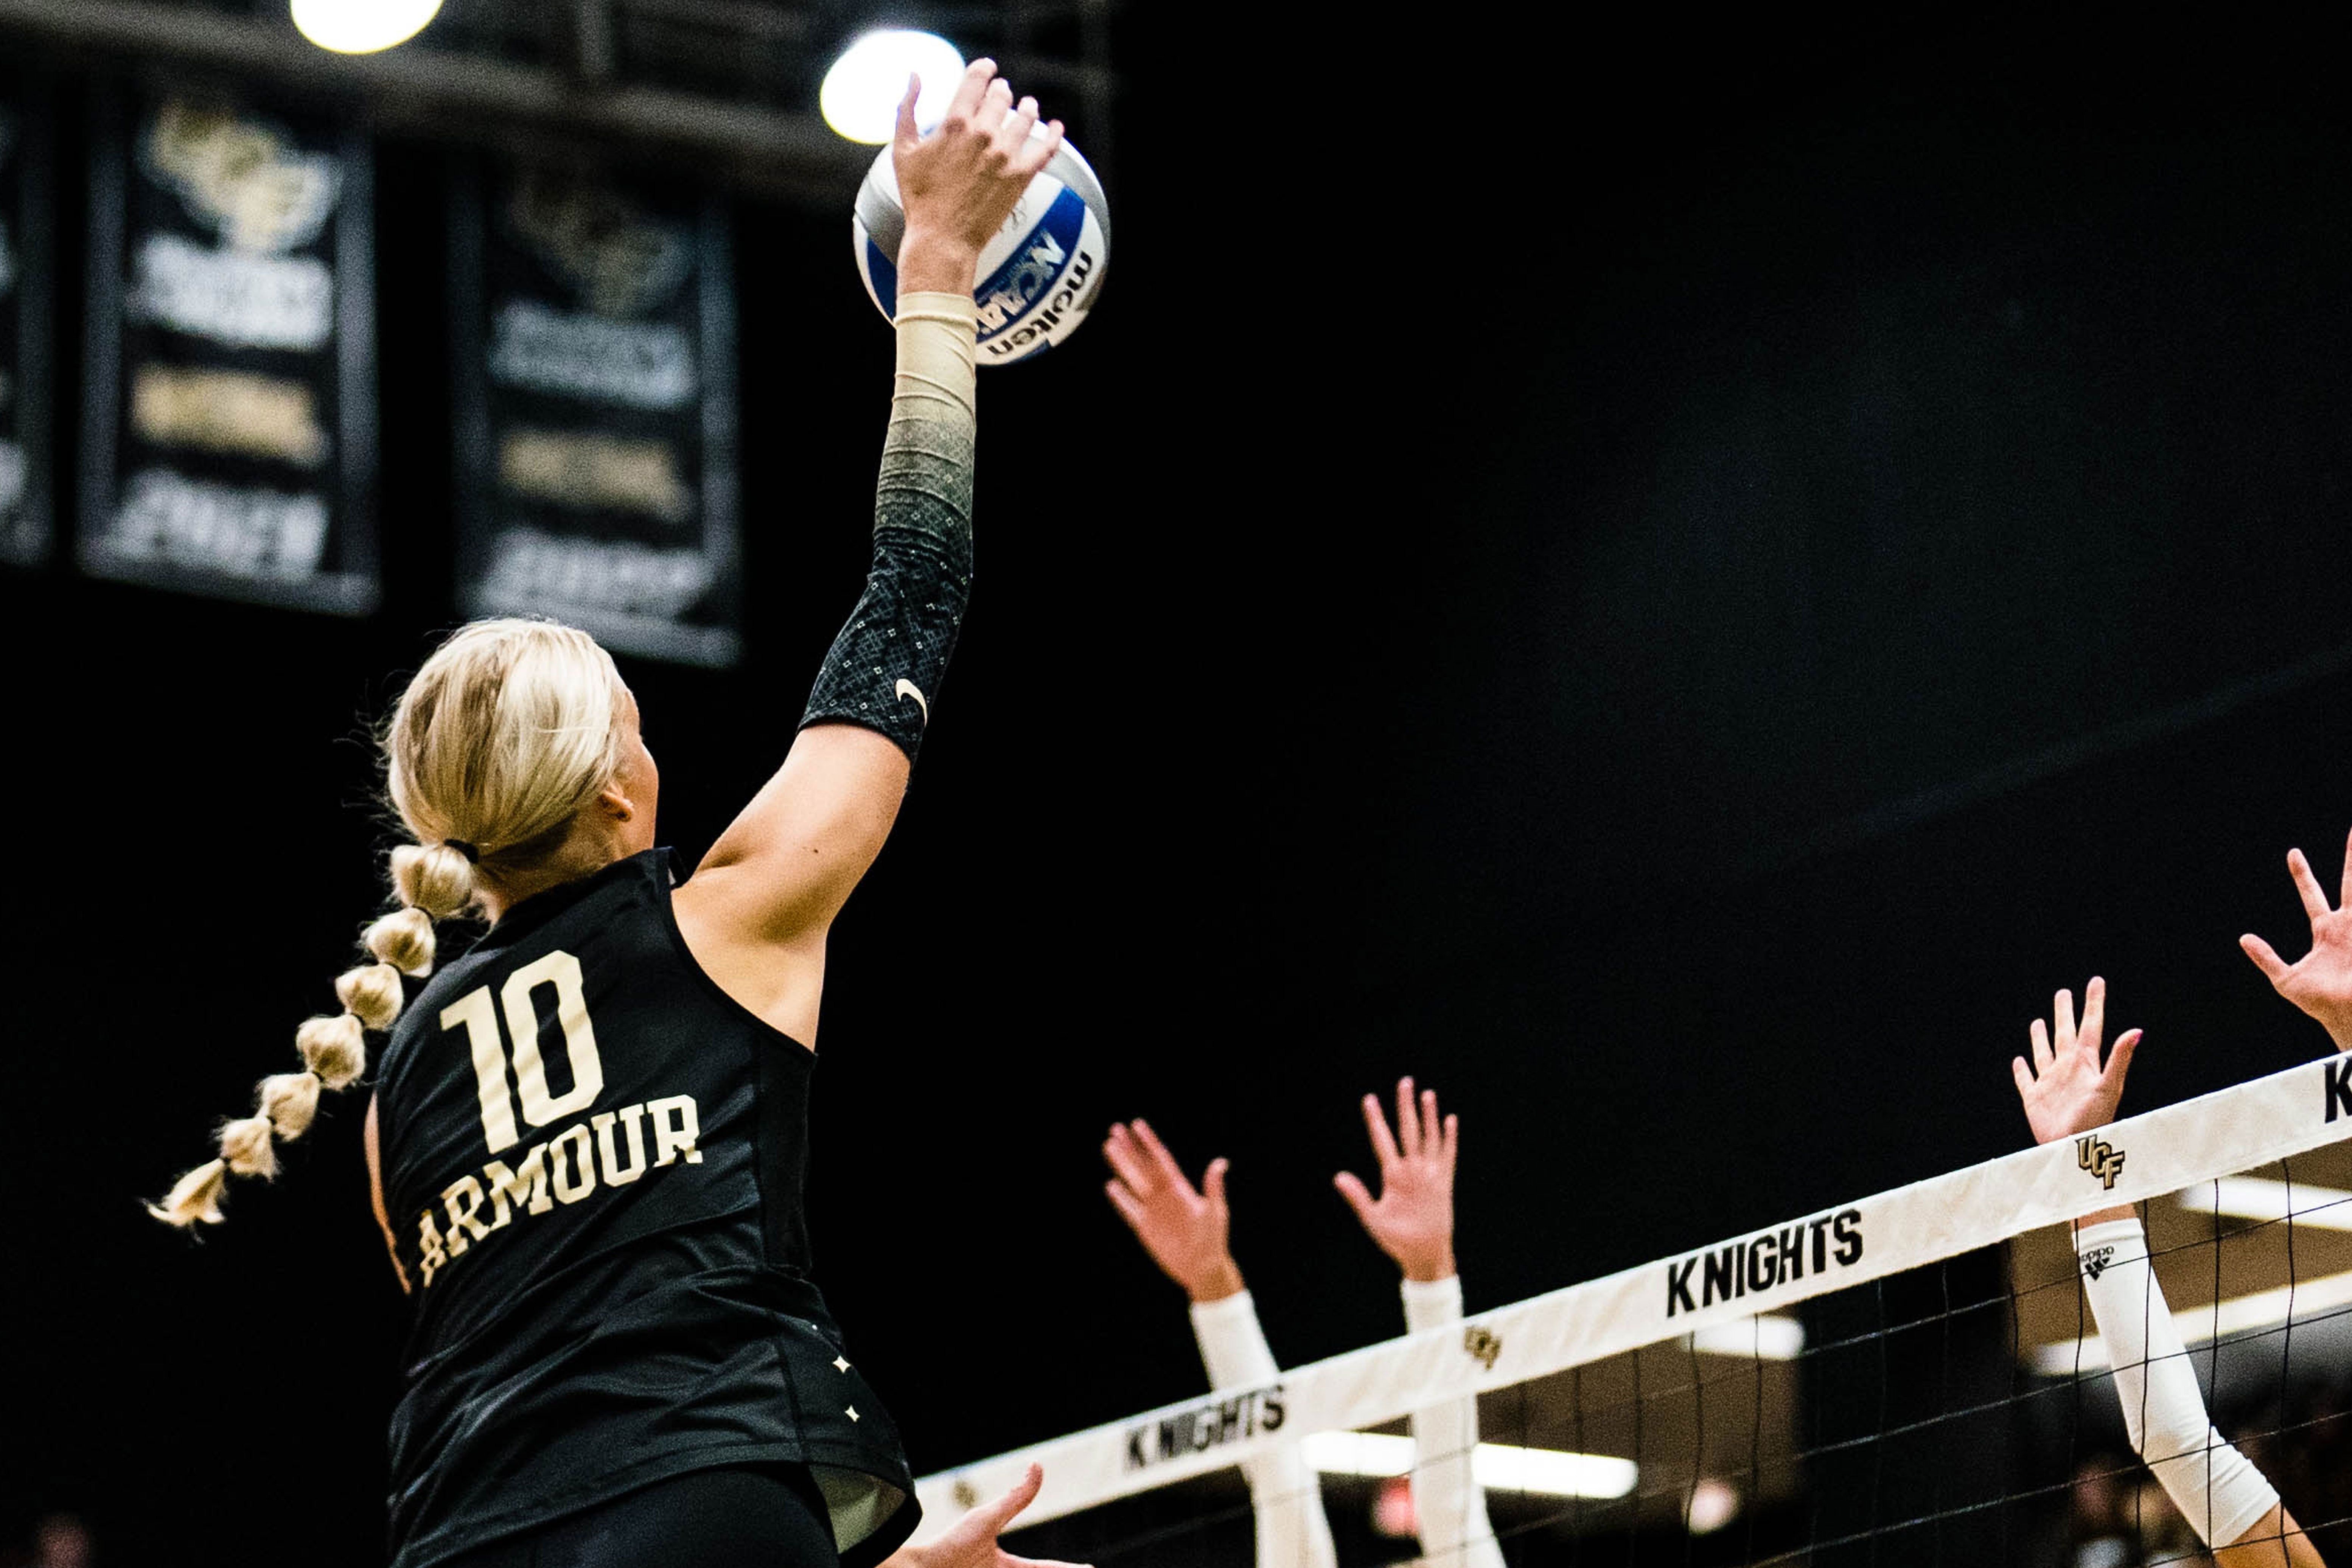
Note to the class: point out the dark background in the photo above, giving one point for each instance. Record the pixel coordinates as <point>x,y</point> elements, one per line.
<point>1677,609</point>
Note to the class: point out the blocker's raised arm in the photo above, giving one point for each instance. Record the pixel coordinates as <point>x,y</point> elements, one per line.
<point>2320,981</point>
<point>2229,1503</point>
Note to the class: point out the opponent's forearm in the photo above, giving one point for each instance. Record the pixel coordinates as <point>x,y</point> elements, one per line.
<point>884,670</point>
<point>1447,1501</point>
<point>1285,1498</point>
<point>2217,1488</point>
<point>1233,1346</point>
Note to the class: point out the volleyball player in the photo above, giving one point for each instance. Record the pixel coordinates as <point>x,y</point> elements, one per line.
<point>2067,1091</point>
<point>1186,1231</point>
<point>588,1137</point>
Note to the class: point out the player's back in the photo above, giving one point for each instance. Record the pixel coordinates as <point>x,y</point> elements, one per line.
<point>592,1160</point>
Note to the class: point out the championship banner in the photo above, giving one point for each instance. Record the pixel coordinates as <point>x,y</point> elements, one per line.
<point>595,408</point>
<point>229,422</point>
<point>25,259</point>
<point>1711,1289</point>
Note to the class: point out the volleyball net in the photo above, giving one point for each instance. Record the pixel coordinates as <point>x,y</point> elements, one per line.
<point>1910,1378</point>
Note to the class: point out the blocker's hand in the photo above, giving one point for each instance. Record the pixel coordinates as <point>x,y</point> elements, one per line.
<point>1185,1231</point>
<point>2067,1090</point>
<point>972,1543</point>
<point>2320,981</point>
<point>960,183</point>
<point>1412,1219</point>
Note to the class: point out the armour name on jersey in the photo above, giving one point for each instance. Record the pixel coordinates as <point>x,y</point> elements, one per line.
<point>561,1168</point>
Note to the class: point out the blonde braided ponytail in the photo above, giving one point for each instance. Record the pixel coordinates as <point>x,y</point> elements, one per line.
<point>506,732</point>
<point>334,1054</point>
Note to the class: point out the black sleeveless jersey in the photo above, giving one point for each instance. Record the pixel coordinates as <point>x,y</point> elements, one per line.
<point>594,1158</point>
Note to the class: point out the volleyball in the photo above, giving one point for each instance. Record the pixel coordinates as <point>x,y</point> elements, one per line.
<point>1037,278</point>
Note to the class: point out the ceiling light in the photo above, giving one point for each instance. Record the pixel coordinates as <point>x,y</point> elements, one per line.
<point>860,96</point>
<point>362,26</point>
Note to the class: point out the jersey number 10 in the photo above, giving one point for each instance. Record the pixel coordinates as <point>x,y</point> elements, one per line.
<point>480,1013</point>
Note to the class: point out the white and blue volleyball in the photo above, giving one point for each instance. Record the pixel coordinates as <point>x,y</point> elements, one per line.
<point>1037,277</point>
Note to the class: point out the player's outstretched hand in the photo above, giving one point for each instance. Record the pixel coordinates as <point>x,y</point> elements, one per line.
<point>2068,1089</point>
<point>1185,1231</point>
<point>2320,981</point>
<point>972,1543</point>
<point>1412,1219</point>
<point>959,182</point>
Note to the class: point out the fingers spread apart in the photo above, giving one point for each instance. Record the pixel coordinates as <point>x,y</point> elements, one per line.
<point>1164,1164</point>
<point>1358,1197</point>
<point>2315,899</point>
<point>1377,1125</point>
<point>2265,957</point>
<point>1128,1158</point>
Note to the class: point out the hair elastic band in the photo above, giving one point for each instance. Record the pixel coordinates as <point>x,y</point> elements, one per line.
<point>473,856</point>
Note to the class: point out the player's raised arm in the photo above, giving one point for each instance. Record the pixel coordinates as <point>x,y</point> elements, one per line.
<point>782,870</point>
<point>2320,981</point>
<point>2068,1090</point>
<point>1412,1220</point>
<point>1185,1230</point>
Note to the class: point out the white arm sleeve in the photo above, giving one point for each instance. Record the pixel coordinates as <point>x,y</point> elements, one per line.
<point>1446,1496</point>
<point>1284,1493</point>
<point>2215,1488</point>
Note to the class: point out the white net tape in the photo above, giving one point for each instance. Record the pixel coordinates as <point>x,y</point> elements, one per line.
<point>1726,1296</point>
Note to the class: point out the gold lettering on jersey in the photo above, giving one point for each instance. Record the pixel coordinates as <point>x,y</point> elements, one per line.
<point>615,1173</point>
<point>526,1185</point>
<point>428,1243</point>
<point>582,1159</point>
<point>463,1198</point>
<point>675,1130</point>
<point>574,1168</point>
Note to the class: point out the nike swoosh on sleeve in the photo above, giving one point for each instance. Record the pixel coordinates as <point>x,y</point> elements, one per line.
<point>906,687</point>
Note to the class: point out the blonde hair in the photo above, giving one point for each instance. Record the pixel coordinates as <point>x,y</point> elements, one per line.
<point>504,735</point>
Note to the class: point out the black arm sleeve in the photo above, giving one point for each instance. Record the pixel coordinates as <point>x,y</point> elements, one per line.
<point>884,670</point>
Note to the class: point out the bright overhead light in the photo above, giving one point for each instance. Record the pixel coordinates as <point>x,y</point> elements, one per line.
<point>2259,1198</point>
<point>2305,1298</point>
<point>363,27</point>
<point>860,96</point>
<point>1770,1337</point>
<point>1499,1467</point>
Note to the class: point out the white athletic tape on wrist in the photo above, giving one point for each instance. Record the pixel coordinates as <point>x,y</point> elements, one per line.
<point>2161,1151</point>
<point>936,336</point>
<point>2215,1488</point>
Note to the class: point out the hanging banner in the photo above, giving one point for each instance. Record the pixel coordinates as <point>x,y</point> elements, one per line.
<point>229,422</point>
<point>26,227</point>
<point>595,408</point>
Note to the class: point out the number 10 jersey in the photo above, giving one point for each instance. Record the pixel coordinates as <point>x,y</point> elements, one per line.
<point>593,1161</point>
